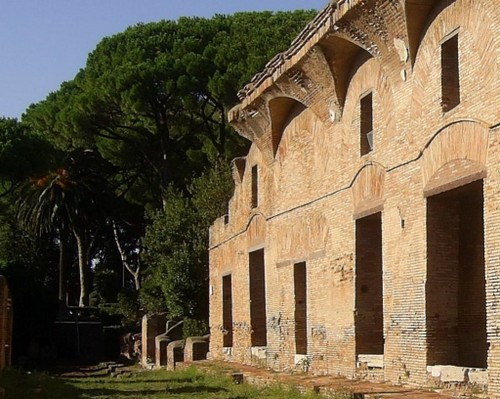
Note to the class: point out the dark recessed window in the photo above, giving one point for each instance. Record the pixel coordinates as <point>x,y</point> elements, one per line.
<point>366,124</point>
<point>255,186</point>
<point>450,75</point>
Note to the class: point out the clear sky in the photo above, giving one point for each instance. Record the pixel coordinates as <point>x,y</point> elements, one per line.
<point>45,42</point>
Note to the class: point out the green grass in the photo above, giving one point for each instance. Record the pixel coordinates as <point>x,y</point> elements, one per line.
<point>160,384</point>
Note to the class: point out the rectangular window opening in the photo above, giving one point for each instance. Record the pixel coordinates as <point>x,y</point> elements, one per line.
<point>255,187</point>
<point>366,124</point>
<point>300,290</point>
<point>450,74</point>
<point>258,317</point>
<point>227,311</point>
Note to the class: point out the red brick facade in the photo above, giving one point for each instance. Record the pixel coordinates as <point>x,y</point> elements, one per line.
<point>376,153</point>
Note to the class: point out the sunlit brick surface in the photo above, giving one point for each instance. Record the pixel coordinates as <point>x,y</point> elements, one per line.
<point>303,117</point>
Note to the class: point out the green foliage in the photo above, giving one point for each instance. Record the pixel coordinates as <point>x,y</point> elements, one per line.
<point>210,194</point>
<point>155,96</point>
<point>128,307</point>
<point>106,285</point>
<point>143,122</point>
<point>73,195</point>
<point>151,298</point>
<point>251,40</point>
<point>177,241</point>
<point>159,384</point>
<point>21,385</point>
<point>195,328</point>
<point>169,252</point>
<point>21,154</point>
<point>72,198</point>
<point>28,262</point>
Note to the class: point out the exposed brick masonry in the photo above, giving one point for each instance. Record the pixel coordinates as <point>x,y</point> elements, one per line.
<point>401,244</point>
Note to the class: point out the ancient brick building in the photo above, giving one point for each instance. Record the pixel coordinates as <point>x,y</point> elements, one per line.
<point>363,237</point>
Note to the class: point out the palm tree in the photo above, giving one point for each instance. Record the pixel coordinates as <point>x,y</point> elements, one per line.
<point>66,200</point>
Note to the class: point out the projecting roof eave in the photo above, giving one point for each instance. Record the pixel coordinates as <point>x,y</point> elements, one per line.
<point>282,62</point>
<point>321,25</point>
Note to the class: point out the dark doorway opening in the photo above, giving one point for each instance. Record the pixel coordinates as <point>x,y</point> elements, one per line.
<point>227,310</point>
<point>300,290</point>
<point>258,318</point>
<point>369,315</point>
<point>456,287</point>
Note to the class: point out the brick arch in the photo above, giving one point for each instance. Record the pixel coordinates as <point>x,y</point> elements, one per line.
<point>473,19</point>
<point>455,156</point>
<point>304,237</point>
<point>312,83</point>
<point>341,53</point>
<point>256,230</point>
<point>298,150</point>
<point>282,111</point>
<point>371,77</point>
<point>266,127</point>
<point>368,190</point>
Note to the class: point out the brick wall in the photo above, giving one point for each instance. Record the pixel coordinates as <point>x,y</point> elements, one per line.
<point>151,326</point>
<point>434,272</point>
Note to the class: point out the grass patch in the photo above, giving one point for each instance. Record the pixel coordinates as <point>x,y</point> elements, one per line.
<point>20,385</point>
<point>139,384</point>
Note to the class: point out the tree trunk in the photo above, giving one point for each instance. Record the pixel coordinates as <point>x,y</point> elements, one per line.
<point>81,242</point>
<point>62,273</point>
<point>136,273</point>
<point>137,281</point>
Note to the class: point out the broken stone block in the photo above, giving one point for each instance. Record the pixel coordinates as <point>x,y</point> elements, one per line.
<point>152,325</point>
<point>175,353</point>
<point>196,348</point>
<point>173,332</point>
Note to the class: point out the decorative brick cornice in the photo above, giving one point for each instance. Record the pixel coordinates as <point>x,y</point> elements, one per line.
<point>309,82</point>
<point>302,73</point>
<point>306,40</point>
<point>316,70</point>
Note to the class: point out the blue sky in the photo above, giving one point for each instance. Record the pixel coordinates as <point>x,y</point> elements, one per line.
<point>45,42</point>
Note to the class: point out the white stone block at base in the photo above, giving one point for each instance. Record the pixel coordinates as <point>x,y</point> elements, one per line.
<point>372,361</point>
<point>301,360</point>
<point>260,352</point>
<point>453,374</point>
<point>478,376</point>
<point>434,371</point>
<point>459,374</point>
